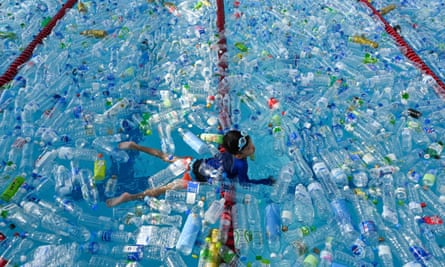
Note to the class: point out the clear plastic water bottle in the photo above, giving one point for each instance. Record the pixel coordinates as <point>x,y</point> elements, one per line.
<point>158,204</point>
<point>167,143</point>
<point>385,255</point>
<point>255,224</point>
<point>174,259</point>
<point>287,211</point>
<point>280,186</point>
<point>162,219</point>
<point>389,206</point>
<point>303,208</point>
<point>241,234</point>
<point>321,204</point>
<point>273,229</point>
<point>189,232</point>
<point>114,236</point>
<point>193,141</point>
<point>166,175</point>
<point>88,187</point>
<point>214,212</point>
<point>111,186</point>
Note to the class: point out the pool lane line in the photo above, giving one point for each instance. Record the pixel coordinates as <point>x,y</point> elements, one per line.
<point>408,51</point>
<point>14,67</point>
<point>229,195</point>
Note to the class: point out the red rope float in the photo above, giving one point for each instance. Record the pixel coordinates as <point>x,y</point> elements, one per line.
<point>14,67</point>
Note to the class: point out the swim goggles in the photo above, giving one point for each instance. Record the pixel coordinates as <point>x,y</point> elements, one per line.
<point>242,142</point>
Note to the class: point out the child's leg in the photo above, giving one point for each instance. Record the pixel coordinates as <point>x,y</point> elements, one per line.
<point>154,192</point>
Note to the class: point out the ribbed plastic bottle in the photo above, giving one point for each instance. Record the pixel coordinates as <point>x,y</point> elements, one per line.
<point>162,219</point>
<point>241,234</point>
<point>255,224</point>
<point>173,170</point>
<point>213,213</point>
<point>280,186</point>
<point>174,259</point>
<point>114,236</point>
<point>389,213</point>
<point>111,186</point>
<point>303,207</point>
<point>321,204</point>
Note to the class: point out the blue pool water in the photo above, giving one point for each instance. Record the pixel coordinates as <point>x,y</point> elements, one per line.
<point>359,119</point>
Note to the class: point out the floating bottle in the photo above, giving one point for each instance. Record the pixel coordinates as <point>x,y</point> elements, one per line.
<point>94,33</point>
<point>111,186</point>
<point>193,141</point>
<point>99,168</point>
<point>363,41</point>
<point>189,232</point>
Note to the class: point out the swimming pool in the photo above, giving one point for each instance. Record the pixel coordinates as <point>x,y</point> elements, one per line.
<point>323,86</point>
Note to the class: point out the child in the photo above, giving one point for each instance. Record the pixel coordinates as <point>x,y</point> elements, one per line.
<point>236,148</point>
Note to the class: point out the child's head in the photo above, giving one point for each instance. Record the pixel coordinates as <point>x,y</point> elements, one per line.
<point>238,143</point>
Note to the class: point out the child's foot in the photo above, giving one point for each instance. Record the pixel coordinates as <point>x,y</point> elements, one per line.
<point>127,145</point>
<point>125,197</point>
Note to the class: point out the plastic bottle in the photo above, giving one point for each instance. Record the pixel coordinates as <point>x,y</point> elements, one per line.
<point>303,208</point>
<point>212,137</point>
<point>193,141</point>
<point>367,226</point>
<point>99,168</point>
<point>176,199</point>
<point>43,237</point>
<point>389,207</point>
<point>385,255</point>
<point>343,219</point>
<point>70,153</point>
<point>111,186</point>
<point>88,187</point>
<point>302,169</point>
<point>167,143</point>
<point>255,224</point>
<point>280,186</point>
<point>159,236</point>
<point>114,236</point>
<point>157,204</point>
<point>162,219</point>
<point>225,223</point>
<point>174,259</point>
<point>273,229</point>
<point>214,212</point>
<point>322,173</point>
<point>287,211</point>
<point>12,188</point>
<point>321,204</point>
<point>107,145</point>
<point>164,176</point>
<point>326,255</point>
<point>189,232</point>
<point>241,234</point>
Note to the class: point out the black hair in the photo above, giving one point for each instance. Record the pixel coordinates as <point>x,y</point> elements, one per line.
<point>231,140</point>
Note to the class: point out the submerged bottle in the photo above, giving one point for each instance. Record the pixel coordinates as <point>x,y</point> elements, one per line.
<point>273,229</point>
<point>99,168</point>
<point>303,208</point>
<point>189,232</point>
<point>193,141</point>
<point>280,187</point>
<point>111,186</point>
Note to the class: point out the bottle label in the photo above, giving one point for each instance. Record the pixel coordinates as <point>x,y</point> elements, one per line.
<point>99,170</point>
<point>367,227</point>
<point>106,236</point>
<point>192,191</point>
<point>419,253</point>
<point>435,219</point>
